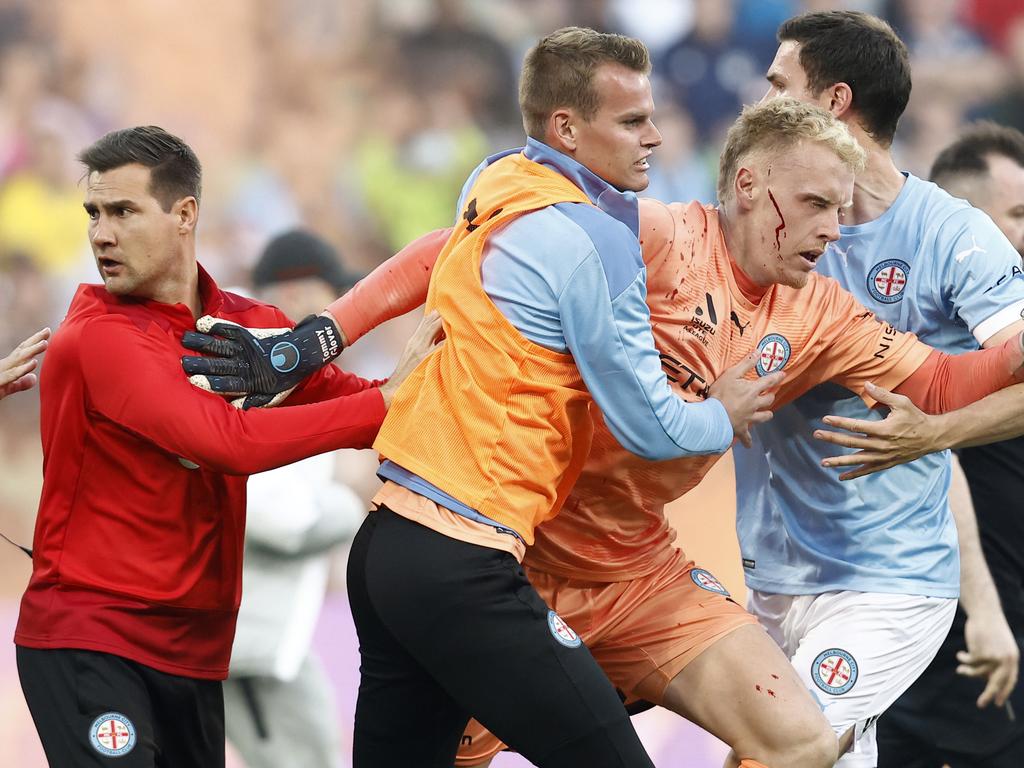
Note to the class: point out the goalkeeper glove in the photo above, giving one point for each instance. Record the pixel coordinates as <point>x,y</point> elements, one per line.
<point>262,364</point>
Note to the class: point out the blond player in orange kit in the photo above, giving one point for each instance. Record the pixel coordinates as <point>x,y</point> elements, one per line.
<point>720,283</point>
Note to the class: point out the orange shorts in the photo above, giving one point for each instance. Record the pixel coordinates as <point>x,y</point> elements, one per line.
<point>642,632</point>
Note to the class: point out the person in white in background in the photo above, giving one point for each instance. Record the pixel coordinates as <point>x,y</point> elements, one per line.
<point>295,516</point>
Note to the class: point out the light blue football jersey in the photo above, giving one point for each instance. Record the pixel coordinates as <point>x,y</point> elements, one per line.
<point>937,267</point>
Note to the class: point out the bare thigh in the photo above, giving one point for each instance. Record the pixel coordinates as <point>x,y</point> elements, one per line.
<point>745,691</point>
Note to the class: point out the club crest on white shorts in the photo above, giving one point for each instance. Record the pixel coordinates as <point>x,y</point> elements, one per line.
<point>112,734</point>
<point>834,671</point>
<point>562,632</point>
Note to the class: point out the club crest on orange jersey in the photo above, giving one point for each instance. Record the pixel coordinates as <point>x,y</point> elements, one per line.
<point>773,353</point>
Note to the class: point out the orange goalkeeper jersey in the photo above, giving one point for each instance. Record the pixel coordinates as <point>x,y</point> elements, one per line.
<point>706,317</point>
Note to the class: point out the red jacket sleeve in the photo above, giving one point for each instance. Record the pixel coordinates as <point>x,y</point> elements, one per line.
<point>327,383</point>
<point>133,378</point>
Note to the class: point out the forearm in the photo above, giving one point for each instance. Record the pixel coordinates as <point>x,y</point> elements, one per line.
<point>397,286</point>
<point>231,441</point>
<point>203,428</point>
<point>945,382</point>
<point>977,590</point>
<point>327,383</point>
<point>615,353</point>
<point>997,417</point>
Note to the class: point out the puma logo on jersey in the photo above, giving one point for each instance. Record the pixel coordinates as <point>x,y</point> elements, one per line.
<point>841,252</point>
<point>975,248</point>
<point>736,321</point>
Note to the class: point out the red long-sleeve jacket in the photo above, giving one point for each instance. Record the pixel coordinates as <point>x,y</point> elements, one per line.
<point>137,551</point>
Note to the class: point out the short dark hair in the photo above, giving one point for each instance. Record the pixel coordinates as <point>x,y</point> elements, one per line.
<point>175,171</point>
<point>968,154</point>
<point>862,51</point>
<point>559,72</point>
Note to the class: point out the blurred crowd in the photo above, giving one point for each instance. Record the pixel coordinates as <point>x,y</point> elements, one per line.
<point>361,119</point>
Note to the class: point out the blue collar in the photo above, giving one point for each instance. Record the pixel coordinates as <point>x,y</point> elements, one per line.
<point>619,205</point>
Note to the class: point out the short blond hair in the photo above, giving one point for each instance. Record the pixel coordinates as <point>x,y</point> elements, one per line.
<point>776,125</point>
<point>559,72</point>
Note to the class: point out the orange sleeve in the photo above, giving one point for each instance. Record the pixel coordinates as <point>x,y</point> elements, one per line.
<point>947,382</point>
<point>397,286</point>
<point>657,229</point>
<point>857,348</point>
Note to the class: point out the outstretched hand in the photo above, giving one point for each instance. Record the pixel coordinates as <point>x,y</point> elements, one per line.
<point>262,365</point>
<point>991,653</point>
<point>747,401</point>
<point>16,370</point>
<point>907,433</point>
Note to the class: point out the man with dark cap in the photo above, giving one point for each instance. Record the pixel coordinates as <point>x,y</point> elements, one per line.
<point>295,516</point>
<point>300,260</point>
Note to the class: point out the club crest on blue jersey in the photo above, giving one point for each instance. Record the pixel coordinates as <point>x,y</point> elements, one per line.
<point>887,280</point>
<point>834,671</point>
<point>773,353</point>
<point>284,356</point>
<point>562,632</point>
<point>705,580</point>
<point>112,734</point>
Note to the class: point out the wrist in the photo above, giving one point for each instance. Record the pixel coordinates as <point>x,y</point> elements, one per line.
<point>317,336</point>
<point>945,433</point>
<point>981,603</point>
<point>337,327</point>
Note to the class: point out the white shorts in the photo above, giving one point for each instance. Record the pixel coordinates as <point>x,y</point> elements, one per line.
<point>856,652</point>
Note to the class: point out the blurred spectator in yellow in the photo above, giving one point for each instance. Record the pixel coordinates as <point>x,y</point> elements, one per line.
<point>41,209</point>
<point>450,48</point>
<point>410,167</point>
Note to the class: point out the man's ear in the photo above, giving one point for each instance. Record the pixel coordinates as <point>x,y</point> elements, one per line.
<point>187,212</point>
<point>745,188</point>
<point>562,130</point>
<point>840,99</point>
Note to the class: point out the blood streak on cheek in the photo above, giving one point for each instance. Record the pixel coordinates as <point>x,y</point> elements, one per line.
<point>782,221</point>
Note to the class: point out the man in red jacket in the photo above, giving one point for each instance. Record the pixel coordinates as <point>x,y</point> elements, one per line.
<point>126,625</point>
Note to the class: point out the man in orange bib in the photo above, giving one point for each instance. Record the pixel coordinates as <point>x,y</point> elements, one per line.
<point>719,283</point>
<point>541,289</point>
